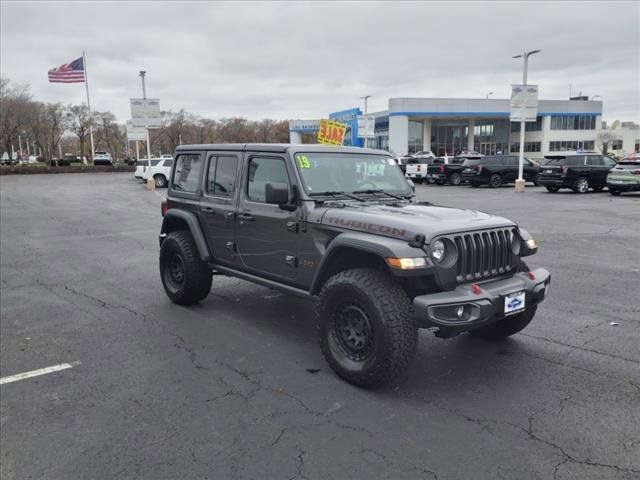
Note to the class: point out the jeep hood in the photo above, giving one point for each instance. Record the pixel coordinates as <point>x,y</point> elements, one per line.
<point>409,220</point>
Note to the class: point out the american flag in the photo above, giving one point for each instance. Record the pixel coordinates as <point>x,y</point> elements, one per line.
<point>68,73</point>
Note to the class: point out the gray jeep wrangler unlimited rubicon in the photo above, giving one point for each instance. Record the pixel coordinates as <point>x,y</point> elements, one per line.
<point>339,226</point>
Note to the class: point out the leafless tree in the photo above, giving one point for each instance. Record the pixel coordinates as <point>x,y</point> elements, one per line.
<point>46,125</point>
<point>78,121</point>
<point>605,137</point>
<point>15,103</point>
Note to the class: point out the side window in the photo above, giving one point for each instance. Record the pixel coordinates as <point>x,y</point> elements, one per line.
<point>221,178</point>
<point>263,170</point>
<point>186,175</point>
<point>168,163</point>
<point>512,161</point>
<point>608,162</point>
<point>594,160</point>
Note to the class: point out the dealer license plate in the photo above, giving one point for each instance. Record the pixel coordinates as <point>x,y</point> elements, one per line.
<point>514,302</point>
<point>548,171</point>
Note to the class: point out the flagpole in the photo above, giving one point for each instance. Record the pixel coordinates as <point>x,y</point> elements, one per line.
<point>86,84</point>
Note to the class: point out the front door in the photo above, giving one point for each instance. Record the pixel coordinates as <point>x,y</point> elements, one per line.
<point>266,235</point>
<point>218,204</point>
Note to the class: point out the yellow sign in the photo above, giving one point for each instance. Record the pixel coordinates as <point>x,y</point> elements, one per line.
<point>331,132</point>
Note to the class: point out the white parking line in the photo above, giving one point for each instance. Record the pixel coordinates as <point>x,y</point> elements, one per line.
<point>35,373</point>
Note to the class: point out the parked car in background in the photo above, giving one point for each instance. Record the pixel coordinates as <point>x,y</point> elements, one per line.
<point>579,172</point>
<point>102,158</point>
<point>624,177</point>
<point>446,170</point>
<point>160,171</point>
<point>416,168</point>
<point>146,170</point>
<point>496,170</point>
<point>140,164</point>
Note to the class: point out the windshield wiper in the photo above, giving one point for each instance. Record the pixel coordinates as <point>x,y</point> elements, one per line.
<point>399,197</point>
<point>335,194</point>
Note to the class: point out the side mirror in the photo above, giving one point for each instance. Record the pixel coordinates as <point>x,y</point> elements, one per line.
<point>276,193</point>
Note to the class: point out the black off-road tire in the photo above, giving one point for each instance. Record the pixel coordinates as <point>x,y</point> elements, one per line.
<point>614,192</point>
<point>552,189</point>
<point>495,180</point>
<point>384,310</point>
<point>161,180</point>
<point>597,189</point>
<point>454,179</point>
<point>186,278</point>
<point>509,325</point>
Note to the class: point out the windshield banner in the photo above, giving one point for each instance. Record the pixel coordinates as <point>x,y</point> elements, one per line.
<point>331,132</point>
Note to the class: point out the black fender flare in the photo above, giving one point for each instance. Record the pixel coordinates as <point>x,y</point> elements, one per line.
<point>182,216</point>
<point>382,247</point>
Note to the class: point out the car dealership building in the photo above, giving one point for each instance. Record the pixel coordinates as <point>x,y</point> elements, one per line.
<point>451,125</point>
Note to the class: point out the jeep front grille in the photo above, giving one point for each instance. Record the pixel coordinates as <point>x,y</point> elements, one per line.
<point>483,254</point>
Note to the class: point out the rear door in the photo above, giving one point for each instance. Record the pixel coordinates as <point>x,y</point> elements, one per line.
<point>509,167</point>
<point>185,181</point>
<point>266,235</point>
<point>218,204</point>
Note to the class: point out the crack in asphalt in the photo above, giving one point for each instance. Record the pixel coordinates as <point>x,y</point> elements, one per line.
<point>300,467</point>
<point>575,347</point>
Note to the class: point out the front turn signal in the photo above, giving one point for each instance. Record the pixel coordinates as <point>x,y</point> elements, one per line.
<point>406,263</point>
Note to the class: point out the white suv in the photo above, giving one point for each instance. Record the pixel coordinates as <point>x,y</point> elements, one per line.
<point>102,158</point>
<point>159,170</point>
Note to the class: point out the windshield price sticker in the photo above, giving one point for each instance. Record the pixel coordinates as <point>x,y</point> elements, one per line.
<point>303,161</point>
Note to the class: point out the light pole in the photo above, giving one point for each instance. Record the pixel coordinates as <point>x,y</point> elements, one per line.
<point>144,97</point>
<point>489,93</point>
<point>364,140</point>
<point>520,180</point>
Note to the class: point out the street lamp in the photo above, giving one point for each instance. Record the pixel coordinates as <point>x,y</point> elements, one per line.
<point>364,140</point>
<point>520,181</point>
<point>489,93</point>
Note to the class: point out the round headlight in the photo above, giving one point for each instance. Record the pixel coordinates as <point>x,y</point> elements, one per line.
<point>437,250</point>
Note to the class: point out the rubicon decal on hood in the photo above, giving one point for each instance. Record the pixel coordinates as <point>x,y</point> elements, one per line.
<point>368,227</point>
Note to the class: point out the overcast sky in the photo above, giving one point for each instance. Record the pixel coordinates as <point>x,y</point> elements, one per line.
<point>285,60</point>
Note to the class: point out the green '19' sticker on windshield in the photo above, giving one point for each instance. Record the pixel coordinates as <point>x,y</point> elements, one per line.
<point>303,161</point>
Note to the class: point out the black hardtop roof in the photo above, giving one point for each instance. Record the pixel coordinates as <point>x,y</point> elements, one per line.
<point>277,148</point>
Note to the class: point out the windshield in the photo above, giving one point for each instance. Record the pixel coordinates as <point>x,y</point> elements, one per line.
<point>349,172</point>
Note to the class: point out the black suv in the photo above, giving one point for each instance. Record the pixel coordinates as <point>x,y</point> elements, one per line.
<point>578,172</point>
<point>496,170</point>
<point>338,225</point>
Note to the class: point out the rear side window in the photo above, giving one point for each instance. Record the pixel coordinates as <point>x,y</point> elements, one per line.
<point>221,178</point>
<point>187,173</point>
<point>511,161</point>
<point>595,160</point>
<point>168,163</point>
<point>263,170</point>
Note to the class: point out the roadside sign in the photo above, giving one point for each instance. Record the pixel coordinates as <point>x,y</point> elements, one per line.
<point>135,133</point>
<point>331,132</point>
<point>524,103</point>
<point>145,112</point>
<point>366,126</point>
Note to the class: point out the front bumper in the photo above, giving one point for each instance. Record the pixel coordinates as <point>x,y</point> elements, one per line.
<point>480,309</point>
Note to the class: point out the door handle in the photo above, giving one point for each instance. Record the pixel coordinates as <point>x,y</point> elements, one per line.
<point>246,217</point>
<point>208,210</point>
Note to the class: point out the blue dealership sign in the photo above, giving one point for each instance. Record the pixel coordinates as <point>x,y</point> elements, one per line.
<point>350,118</point>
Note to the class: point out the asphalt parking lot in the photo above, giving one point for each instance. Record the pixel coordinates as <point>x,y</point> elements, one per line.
<point>236,387</point>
